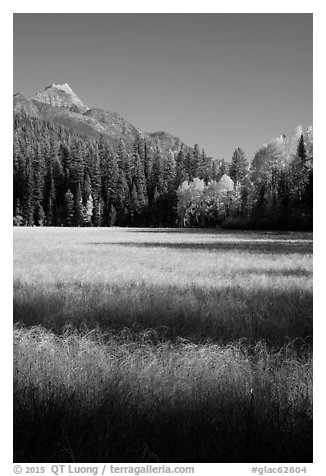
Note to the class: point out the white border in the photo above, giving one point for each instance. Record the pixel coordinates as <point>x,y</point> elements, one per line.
<point>59,6</point>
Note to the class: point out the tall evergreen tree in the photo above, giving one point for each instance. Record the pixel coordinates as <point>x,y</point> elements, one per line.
<point>38,175</point>
<point>96,186</point>
<point>238,169</point>
<point>78,208</point>
<point>301,171</point>
<point>204,171</point>
<point>195,161</point>
<point>169,170</point>
<point>123,163</point>
<point>28,205</point>
<point>139,199</point>
<point>147,166</point>
<point>122,201</point>
<point>69,208</point>
<point>109,171</point>
<point>50,211</point>
<point>180,171</point>
<point>157,172</point>
<point>188,164</point>
<point>76,163</point>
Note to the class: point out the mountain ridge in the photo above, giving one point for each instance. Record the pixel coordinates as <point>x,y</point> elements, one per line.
<point>60,104</point>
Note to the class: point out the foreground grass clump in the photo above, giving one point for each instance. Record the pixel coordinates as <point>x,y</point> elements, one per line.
<point>94,397</point>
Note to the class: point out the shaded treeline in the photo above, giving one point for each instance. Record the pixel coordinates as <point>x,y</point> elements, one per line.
<point>64,179</point>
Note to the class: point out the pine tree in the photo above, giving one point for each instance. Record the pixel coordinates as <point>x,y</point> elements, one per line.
<point>180,172</point>
<point>50,208</point>
<point>105,158</point>
<point>77,154</point>
<point>139,199</point>
<point>69,208</point>
<point>148,161</point>
<point>123,163</point>
<point>113,215</point>
<point>38,182</point>
<point>63,166</point>
<point>92,180</point>
<point>215,170</point>
<point>49,188</point>
<point>96,186</point>
<point>39,214</point>
<point>301,151</point>
<point>246,198</point>
<point>238,169</point>
<point>135,207</point>
<point>195,161</point>
<point>87,189</point>
<point>28,205</point>
<point>78,208</point>
<point>169,166</point>
<point>157,172</point>
<point>203,168</point>
<point>168,196</point>
<point>122,201</point>
<point>155,209</point>
<point>18,169</point>
<point>188,166</point>
<point>112,186</point>
<point>138,147</point>
<point>301,171</point>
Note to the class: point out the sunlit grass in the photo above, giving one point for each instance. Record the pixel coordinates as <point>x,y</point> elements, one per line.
<point>201,348</point>
<point>156,280</point>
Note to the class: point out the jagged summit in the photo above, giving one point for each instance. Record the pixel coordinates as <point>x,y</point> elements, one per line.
<point>61,95</point>
<point>63,87</point>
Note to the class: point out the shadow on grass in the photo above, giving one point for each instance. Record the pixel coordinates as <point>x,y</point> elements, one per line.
<point>80,399</point>
<point>217,247</point>
<point>197,432</point>
<point>194,313</point>
<point>221,232</point>
<point>296,272</point>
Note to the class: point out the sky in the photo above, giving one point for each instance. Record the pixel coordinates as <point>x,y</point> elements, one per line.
<point>220,80</point>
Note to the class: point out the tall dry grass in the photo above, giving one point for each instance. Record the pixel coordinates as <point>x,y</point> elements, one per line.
<point>89,398</point>
<point>162,346</point>
<point>191,285</point>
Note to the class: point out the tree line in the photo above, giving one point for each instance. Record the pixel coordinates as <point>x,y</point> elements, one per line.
<point>61,178</point>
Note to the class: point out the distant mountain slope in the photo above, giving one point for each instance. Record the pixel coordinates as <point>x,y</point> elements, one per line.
<point>167,141</point>
<point>59,104</point>
<point>75,121</point>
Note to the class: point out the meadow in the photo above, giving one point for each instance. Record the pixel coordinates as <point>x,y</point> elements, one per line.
<point>162,345</point>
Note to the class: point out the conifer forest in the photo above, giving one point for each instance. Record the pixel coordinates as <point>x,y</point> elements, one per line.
<point>62,178</point>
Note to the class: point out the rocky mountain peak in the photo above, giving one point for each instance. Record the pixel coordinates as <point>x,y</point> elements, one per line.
<point>63,87</point>
<point>61,95</point>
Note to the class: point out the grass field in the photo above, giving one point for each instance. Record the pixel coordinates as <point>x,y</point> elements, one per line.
<point>153,345</point>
